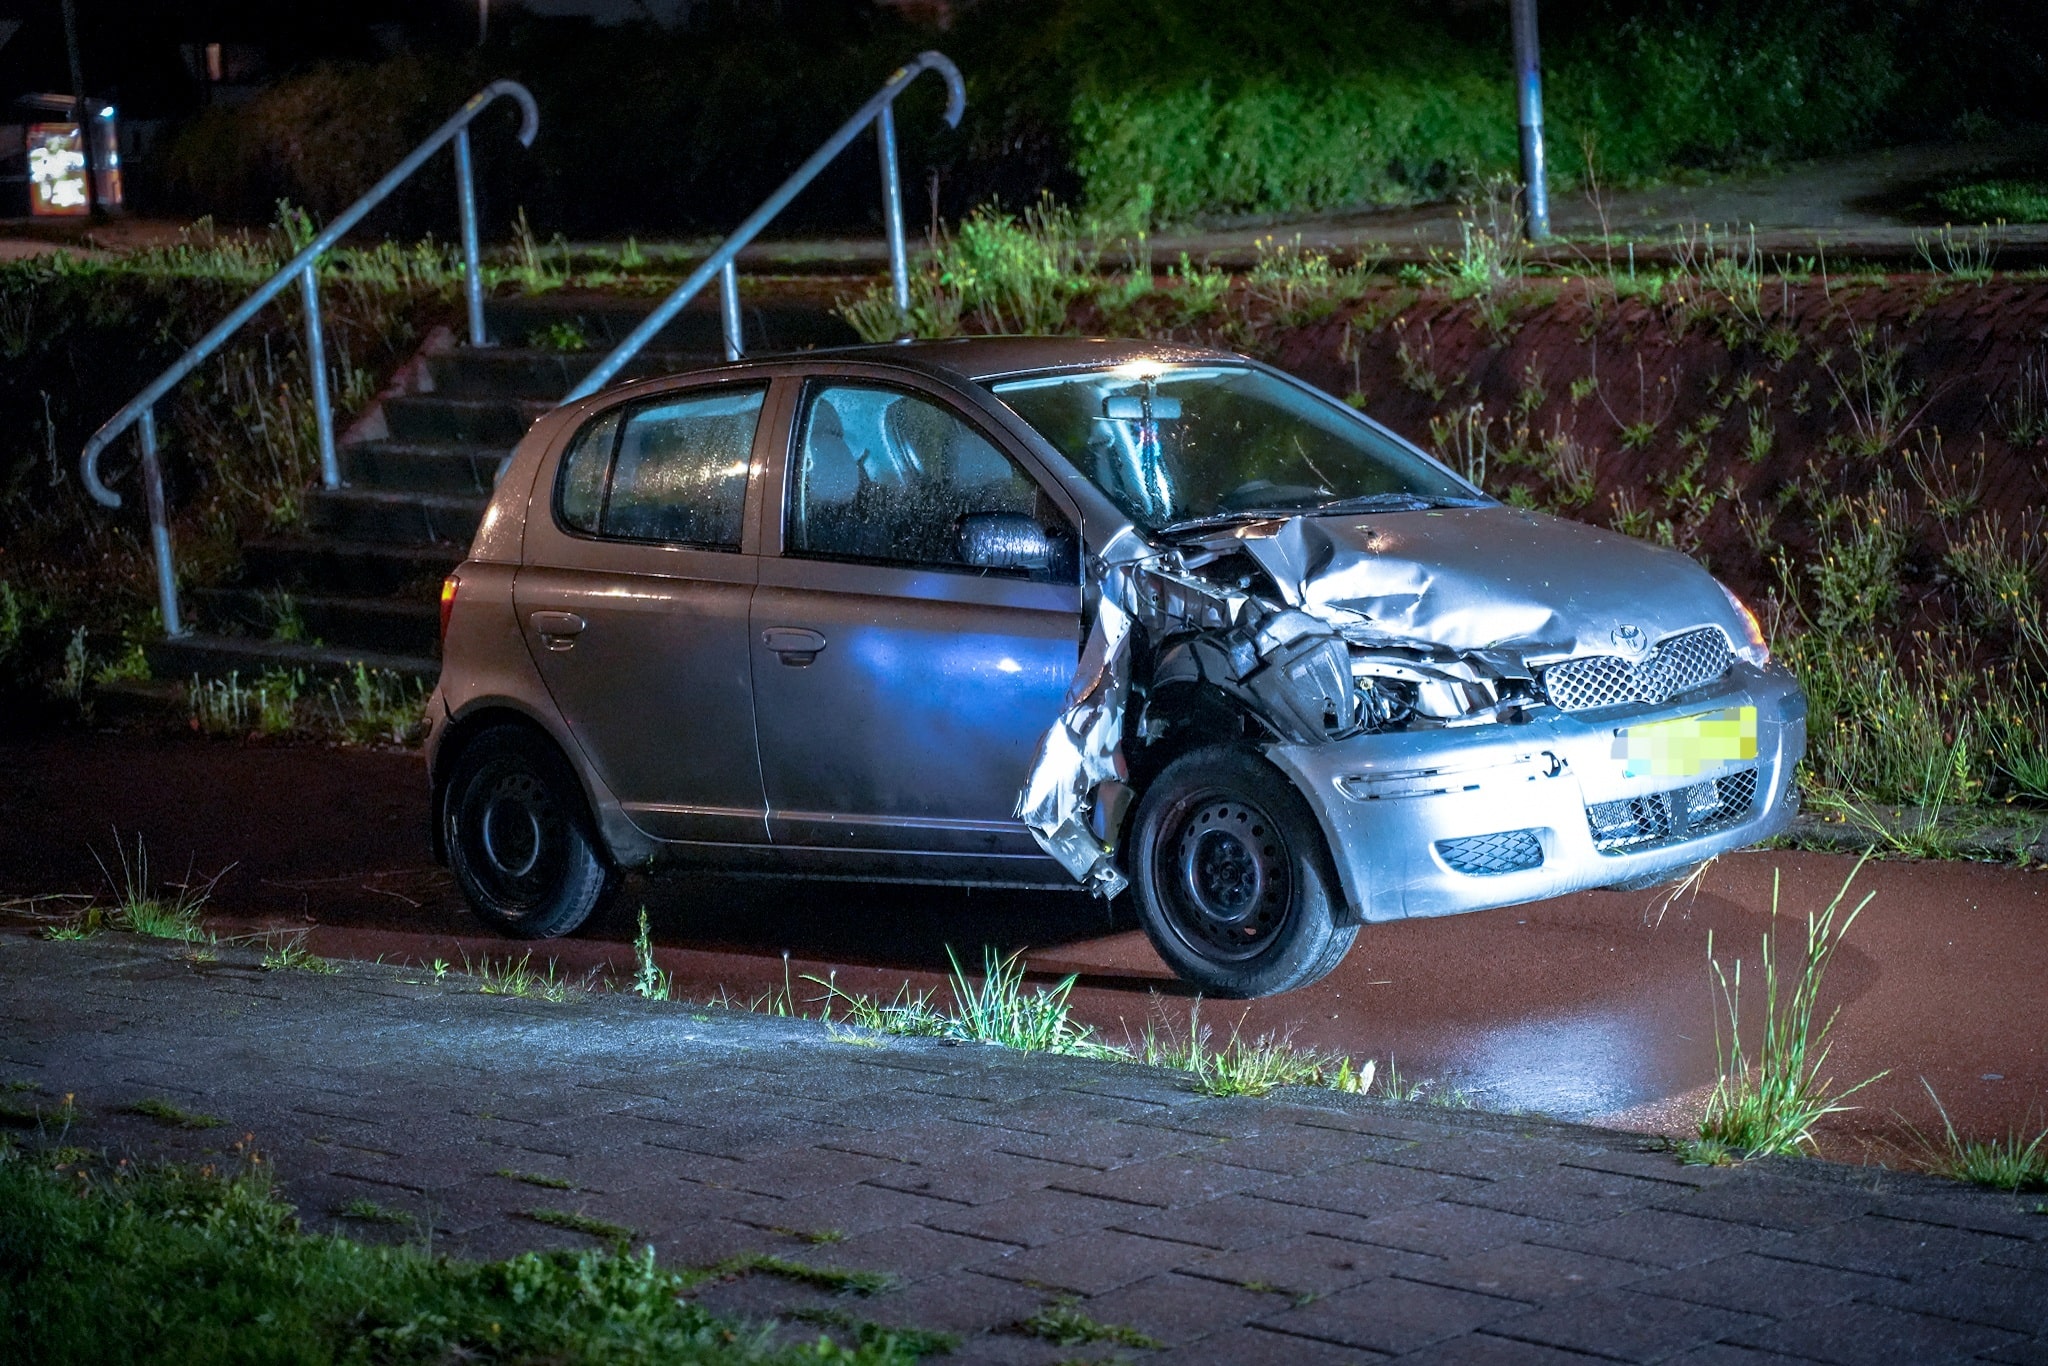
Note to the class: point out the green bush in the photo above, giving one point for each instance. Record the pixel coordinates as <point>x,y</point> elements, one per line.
<point>1193,109</point>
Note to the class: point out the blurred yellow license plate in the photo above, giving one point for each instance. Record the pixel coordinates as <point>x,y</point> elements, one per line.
<point>1687,745</point>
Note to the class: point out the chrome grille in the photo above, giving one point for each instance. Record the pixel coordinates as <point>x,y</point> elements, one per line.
<point>1680,663</point>
<point>1510,851</point>
<point>1637,823</point>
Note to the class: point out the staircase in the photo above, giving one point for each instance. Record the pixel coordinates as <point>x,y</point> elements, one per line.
<point>360,583</point>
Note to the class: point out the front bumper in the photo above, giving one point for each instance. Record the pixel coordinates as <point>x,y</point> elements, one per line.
<point>1437,822</point>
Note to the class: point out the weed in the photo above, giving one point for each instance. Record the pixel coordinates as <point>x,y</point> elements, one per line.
<point>1301,285</point>
<point>915,1343</point>
<point>835,1279</point>
<point>998,1010</point>
<point>2008,1163</point>
<point>287,621</point>
<point>1770,1102</point>
<point>1198,290</point>
<point>553,1183</point>
<point>1491,254</point>
<point>1965,256</point>
<point>561,335</point>
<point>1873,393</point>
<point>370,1212</point>
<point>1463,441</point>
<point>378,706</point>
<point>163,1112</point>
<point>140,907</point>
<point>1248,1067</point>
<point>1063,1324</point>
<point>1573,466</point>
<point>290,954</point>
<point>1999,571</point>
<point>1952,490</point>
<point>650,981</point>
<point>1418,365</point>
<point>2023,415</point>
<point>1583,388</point>
<point>521,979</point>
<point>580,1223</point>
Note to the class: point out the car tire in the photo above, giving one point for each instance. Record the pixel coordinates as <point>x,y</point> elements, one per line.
<point>519,836</point>
<point>1233,881</point>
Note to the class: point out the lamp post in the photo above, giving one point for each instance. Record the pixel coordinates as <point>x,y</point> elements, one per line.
<point>1529,108</point>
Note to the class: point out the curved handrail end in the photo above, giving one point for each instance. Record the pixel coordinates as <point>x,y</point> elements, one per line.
<point>89,472</point>
<point>956,89</point>
<point>529,112</point>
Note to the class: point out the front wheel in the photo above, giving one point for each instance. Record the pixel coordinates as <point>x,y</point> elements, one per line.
<point>1234,885</point>
<point>518,840</point>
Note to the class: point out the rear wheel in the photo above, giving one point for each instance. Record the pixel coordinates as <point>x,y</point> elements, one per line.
<point>1234,885</point>
<point>519,839</point>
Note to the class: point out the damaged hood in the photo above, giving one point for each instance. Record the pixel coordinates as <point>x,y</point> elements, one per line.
<point>1488,578</point>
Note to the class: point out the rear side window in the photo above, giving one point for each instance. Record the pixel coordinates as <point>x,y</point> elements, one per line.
<point>671,469</point>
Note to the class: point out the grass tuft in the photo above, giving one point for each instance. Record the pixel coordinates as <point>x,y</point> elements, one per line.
<point>1063,1324</point>
<point>163,1112</point>
<point>580,1223</point>
<point>1769,1102</point>
<point>553,1183</point>
<point>838,1280</point>
<point>2010,1163</point>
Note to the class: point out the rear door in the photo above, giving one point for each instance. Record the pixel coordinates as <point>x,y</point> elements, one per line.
<point>901,691</point>
<point>634,598</point>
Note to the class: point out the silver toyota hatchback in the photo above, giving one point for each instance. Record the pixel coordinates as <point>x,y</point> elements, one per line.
<point>1084,614</point>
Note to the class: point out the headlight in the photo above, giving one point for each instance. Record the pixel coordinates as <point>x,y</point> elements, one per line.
<point>1757,649</point>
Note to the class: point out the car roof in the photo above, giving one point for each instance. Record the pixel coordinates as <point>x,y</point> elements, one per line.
<point>975,359</point>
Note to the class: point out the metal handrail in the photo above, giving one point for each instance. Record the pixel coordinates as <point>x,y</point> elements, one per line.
<point>878,111</point>
<point>139,411</point>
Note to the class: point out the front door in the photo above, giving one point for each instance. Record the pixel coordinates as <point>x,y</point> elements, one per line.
<point>634,600</point>
<point>901,682</point>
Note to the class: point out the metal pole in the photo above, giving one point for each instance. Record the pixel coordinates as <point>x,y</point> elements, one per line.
<point>316,369</point>
<point>729,306</point>
<point>1529,104</point>
<point>892,207</point>
<point>81,113</point>
<point>472,265</point>
<point>159,526</point>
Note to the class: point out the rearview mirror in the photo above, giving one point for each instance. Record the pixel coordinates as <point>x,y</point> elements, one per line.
<point>1004,540</point>
<point>1131,408</point>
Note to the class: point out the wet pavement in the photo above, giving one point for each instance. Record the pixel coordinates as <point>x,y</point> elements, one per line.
<point>1596,1006</point>
<point>987,1185</point>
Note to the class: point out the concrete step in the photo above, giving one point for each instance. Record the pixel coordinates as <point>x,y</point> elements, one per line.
<point>423,466</point>
<point>329,566</point>
<point>395,626</point>
<point>396,516</point>
<point>604,320</point>
<point>484,421</point>
<point>208,656</point>
<point>516,372</point>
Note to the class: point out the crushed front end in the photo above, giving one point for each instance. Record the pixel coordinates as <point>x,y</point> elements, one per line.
<point>1480,712</point>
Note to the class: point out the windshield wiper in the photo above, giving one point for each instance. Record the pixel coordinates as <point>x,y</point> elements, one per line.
<point>1394,502</point>
<point>1232,516</point>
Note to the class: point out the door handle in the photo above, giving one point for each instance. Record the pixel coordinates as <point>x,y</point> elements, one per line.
<point>557,630</point>
<point>796,645</point>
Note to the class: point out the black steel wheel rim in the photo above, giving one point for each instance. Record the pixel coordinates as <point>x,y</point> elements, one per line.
<point>1224,876</point>
<point>514,834</point>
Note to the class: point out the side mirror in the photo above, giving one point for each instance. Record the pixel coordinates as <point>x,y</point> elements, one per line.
<point>1004,540</point>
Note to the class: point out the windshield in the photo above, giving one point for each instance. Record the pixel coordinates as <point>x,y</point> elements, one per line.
<point>1173,444</point>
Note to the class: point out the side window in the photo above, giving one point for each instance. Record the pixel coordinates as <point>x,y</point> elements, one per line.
<point>672,469</point>
<point>887,476</point>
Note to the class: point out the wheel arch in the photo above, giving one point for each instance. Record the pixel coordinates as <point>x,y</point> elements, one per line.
<point>617,837</point>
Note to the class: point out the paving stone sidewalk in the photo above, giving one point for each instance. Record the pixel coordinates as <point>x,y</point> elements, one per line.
<point>1306,1229</point>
